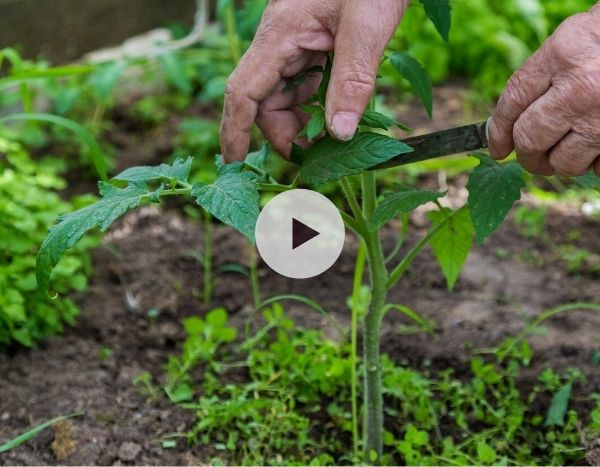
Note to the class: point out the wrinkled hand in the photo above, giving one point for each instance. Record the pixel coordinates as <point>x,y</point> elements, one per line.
<point>549,112</point>
<point>293,36</point>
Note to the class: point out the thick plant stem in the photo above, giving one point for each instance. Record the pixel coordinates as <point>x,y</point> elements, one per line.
<point>373,424</point>
<point>372,325</point>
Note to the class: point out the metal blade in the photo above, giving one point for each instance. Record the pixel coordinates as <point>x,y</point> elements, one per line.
<point>441,143</point>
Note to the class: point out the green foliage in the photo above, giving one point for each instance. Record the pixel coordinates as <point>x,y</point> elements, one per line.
<point>204,337</point>
<point>439,13</point>
<point>175,72</point>
<point>531,220</point>
<point>28,206</point>
<point>589,180</point>
<point>401,200</point>
<point>94,152</point>
<point>415,74</point>
<point>329,160</point>
<point>290,403</point>
<point>493,189</point>
<point>559,405</point>
<point>453,242</point>
<point>70,228</point>
<point>171,174</point>
<point>374,119</point>
<point>232,198</point>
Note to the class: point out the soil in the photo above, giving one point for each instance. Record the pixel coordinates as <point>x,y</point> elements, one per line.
<point>145,263</point>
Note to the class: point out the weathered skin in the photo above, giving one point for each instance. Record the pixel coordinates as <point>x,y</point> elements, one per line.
<point>549,111</point>
<point>294,35</point>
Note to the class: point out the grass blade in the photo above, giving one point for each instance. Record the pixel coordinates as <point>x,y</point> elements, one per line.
<point>95,153</point>
<point>33,432</point>
<point>423,323</point>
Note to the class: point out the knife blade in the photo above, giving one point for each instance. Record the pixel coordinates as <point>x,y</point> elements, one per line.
<point>441,143</point>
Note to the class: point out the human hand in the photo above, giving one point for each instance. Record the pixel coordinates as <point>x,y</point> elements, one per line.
<point>549,112</point>
<point>293,36</point>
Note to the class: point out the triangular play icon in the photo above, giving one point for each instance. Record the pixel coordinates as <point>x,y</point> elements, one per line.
<point>301,233</point>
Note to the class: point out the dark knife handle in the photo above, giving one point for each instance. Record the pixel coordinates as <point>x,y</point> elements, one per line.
<point>441,143</point>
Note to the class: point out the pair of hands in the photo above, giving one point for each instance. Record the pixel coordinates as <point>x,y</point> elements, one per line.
<point>549,112</point>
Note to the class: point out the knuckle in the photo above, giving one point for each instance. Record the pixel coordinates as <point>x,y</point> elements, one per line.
<point>564,166</point>
<point>516,93</point>
<point>525,141</point>
<point>357,83</point>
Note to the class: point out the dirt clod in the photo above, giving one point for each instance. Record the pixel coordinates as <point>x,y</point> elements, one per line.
<point>64,443</point>
<point>593,455</point>
<point>129,451</point>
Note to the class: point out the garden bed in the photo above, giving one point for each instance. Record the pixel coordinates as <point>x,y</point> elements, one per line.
<point>494,298</point>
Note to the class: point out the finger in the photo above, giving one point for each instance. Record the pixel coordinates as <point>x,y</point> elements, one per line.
<point>280,127</point>
<point>281,99</point>
<point>251,82</point>
<point>363,33</point>
<point>540,127</point>
<point>525,86</point>
<point>278,109</point>
<point>574,155</point>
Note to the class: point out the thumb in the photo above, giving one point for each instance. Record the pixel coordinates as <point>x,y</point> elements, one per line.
<point>363,32</point>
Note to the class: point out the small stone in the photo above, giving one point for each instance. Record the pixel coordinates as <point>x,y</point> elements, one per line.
<point>5,416</point>
<point>129,451</point>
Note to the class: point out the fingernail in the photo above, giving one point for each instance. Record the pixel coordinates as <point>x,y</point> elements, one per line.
<point>344,124</point>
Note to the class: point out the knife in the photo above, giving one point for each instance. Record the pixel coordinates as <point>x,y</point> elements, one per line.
<point>441,143</point>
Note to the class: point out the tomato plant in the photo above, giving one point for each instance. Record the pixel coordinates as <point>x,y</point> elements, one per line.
<point>234,195</point>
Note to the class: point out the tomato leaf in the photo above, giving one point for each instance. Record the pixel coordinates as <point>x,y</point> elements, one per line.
<point>375,119</point>
<point>232,198</point>
<point>316,124</point>
<point>258,159</point>
<point>401,200</point>
<point>558,406</point>
<point>453,242</point>
<point>493,189</point>
<point>179,171</point>
<point>70,227</point>
<point>438,12</point>
<point>416,75</point>
<point>329,159</point>
<point>590,181</point>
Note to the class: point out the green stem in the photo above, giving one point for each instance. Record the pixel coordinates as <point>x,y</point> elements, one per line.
<point>350,222</point>
<point>369,191</point>
<point>276,187</point>
<point>372,324</point>
<point>359,269</point>
<point>232,34</point>
<point>352,201</point>
<point>208,273</point>
<point>254,283</point>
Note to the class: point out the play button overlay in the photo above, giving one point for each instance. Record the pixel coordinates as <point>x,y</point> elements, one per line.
<point>300,234</point>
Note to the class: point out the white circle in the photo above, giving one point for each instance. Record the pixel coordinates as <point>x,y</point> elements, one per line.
<point>300,234</point>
